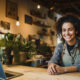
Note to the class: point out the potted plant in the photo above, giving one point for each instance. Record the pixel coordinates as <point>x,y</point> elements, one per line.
<point>17,45</point>
<point>7,42</point>
<point>31,49</point>
<point>44,50</point>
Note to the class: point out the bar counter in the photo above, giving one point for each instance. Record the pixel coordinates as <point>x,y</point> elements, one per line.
<point>33,73</point>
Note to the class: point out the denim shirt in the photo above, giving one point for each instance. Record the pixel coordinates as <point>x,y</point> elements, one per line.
<point>68,59</point>
<point>2,74</point>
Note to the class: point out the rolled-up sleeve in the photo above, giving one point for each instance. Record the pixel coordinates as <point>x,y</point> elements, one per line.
<point>78,66</point>
<point>56,55</point>
<point>77,61</point>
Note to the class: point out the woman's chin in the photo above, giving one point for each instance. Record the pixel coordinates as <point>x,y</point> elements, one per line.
<point>68,40</point>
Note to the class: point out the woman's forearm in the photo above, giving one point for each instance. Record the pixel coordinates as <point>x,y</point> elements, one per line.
<point>70,69</point>
<point>60,70</point>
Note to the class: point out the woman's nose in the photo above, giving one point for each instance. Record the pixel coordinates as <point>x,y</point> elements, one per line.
<point>67,32</point>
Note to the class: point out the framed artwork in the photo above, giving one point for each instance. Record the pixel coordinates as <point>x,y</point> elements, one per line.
<point>11,9</point>
<point>28,19</point>
<point>5,25</point>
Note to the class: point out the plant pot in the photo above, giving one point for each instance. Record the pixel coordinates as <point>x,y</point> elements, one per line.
<point>19,58</point>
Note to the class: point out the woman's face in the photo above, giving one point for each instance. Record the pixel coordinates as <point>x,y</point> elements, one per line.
<point>68,32</point>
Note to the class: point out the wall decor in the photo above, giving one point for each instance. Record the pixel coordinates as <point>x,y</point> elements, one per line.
<point>40,24</point>
<point>51,14</point>
<point>28,19</point>
<point>5,25</point>
<point>11,9</point>
<point>37,13</point>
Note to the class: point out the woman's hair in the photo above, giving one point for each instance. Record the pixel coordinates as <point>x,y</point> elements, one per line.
<point>74,20</point>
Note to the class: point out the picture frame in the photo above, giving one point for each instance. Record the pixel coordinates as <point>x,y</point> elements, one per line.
<point>28,19</point>
<point>11,9</point>
<point>5,25</point>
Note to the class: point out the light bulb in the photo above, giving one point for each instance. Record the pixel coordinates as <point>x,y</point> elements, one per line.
<point>38,6</point>
<point>17,23</point>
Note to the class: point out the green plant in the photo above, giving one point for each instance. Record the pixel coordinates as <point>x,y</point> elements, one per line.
<point>17,44</point>
<point>7,41</point>
<point>31,49</point>
<point>44,49</point>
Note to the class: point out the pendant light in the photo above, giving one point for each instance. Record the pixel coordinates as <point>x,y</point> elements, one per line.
<point>17,22</point>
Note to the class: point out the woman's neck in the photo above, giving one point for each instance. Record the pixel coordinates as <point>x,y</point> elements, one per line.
<point>71,43</point>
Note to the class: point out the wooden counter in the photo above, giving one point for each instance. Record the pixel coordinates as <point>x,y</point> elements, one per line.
<point>31,73</point>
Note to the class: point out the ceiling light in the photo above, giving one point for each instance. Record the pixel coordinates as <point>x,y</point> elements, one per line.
<point>38,6</point>
<point>51,8</point>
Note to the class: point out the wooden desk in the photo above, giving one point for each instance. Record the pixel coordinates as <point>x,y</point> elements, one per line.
<point>32,73</point>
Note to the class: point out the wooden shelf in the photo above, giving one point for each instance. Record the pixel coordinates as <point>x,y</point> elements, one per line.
<point>41,25</point>
<point>38,14</point>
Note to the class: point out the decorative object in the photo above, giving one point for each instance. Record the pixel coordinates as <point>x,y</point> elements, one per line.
<point>41,24</point>
<point>5,25</point>
<point>28,19</point>
<point>11,9</point>
<point>42,33</point>
<point>51,14</point>
<point>38,14</point>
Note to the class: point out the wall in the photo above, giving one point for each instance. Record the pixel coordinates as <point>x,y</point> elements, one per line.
<point>24,7</point>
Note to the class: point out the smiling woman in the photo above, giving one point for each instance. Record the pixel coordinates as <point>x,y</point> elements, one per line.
<point>66,56</point>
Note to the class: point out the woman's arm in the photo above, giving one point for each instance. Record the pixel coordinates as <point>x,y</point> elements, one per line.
<point>55,59</point>
<point>54,69</point>
<point>56,54</point>
<point>69,69</point>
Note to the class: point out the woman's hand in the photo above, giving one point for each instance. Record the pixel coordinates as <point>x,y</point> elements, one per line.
<point>52,69</point>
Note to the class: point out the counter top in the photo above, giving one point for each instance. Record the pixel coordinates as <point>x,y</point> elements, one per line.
<point>32,73</point>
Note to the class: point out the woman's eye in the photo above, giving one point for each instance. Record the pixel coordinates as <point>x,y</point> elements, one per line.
<point>70,29</point>
<point>63,30</point>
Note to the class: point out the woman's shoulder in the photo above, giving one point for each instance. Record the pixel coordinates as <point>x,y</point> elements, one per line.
<point>59,48</point>
<point>60,44</point>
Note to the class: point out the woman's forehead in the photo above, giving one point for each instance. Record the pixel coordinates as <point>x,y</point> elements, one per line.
<point>67,25</point>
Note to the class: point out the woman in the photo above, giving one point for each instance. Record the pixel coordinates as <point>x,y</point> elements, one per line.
<point>66,56</point>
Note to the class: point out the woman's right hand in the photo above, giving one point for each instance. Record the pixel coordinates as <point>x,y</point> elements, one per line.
<point>52,69</point>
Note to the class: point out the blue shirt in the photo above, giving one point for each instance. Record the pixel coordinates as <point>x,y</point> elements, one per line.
<point>69,58</point>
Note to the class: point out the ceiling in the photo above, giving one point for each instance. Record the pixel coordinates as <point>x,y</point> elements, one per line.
<point>61,6</point>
